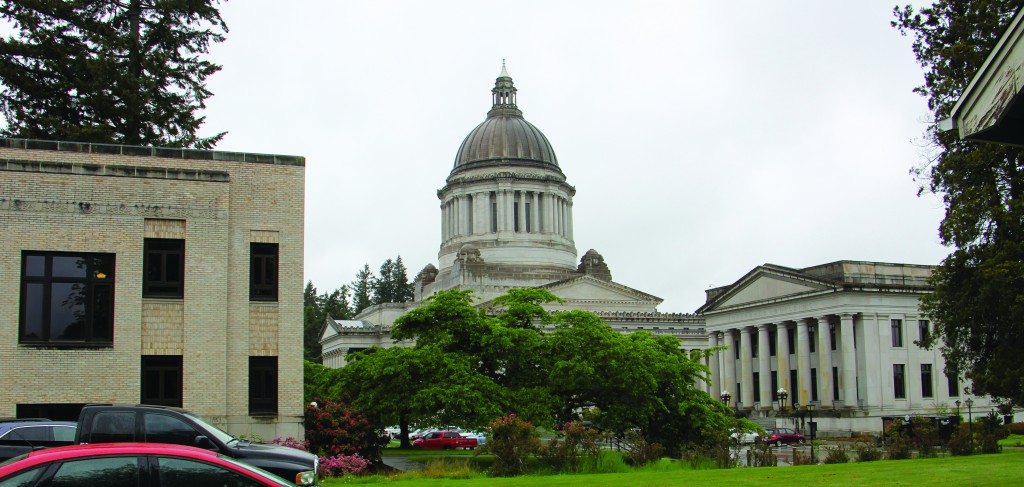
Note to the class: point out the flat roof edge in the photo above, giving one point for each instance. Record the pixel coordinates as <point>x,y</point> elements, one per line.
<point>148,151</point>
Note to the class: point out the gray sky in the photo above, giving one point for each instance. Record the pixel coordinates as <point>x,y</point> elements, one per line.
<point>703,138</point>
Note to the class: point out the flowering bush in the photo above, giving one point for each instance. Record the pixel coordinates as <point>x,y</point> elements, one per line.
<point>292,443</point>
<point>333,428</point>
<point>512,441</point>
<point>580,444</point>
<point>339,465</point>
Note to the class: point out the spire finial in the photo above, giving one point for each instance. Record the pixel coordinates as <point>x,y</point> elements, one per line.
<point>504,72</point>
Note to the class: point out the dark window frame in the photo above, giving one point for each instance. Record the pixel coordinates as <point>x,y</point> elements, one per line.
<point>263,384</point>
<point>899,381</point>
<point>93,291</point>
<point>158,280</point>
<point>264,271</point>
<point>896,326</point>
<point>927,378</point>
<point>169,379</point>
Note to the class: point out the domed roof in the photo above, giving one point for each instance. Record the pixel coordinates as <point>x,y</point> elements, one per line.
<point>505,137</point>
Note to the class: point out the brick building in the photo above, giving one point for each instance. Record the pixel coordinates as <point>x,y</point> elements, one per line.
<point>152,275</point>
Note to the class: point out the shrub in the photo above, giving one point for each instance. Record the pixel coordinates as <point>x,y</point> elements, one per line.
<point>801,457</point>
<point>867,451</point>
<point>512,442</point>
<point>339,465</point>
<point>960,443</point>
<point>639,451</point>
<point>900,448</point>
<point>333,428</point>
<point>578,445</point>
<point>607,461</point>
<point>836,454</point>
<point>712,450</point>
<point>1015,428</point>
<point>761,455</point>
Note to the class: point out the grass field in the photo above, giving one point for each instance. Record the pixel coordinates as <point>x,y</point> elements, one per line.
<point>1006,468</point>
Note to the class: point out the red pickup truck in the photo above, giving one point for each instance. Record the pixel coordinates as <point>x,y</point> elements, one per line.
<point>444,440</point>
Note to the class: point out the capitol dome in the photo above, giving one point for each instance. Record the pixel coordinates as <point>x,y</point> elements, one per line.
<point>505,137</point>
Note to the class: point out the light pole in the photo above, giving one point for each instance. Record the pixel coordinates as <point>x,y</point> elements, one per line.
<point>957,402</point>
<point>970,421</point>
<point>783,395</point>
<point>810,411</point>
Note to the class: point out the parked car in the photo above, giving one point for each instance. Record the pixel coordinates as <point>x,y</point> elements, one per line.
<point>393,432</point>
<point>481,438</point>
<point>444,440</point>
<point>780,436</point>
<point>19,436</point>
<point>744,437</point>
<point>133,464</point>
<point>37,429</point>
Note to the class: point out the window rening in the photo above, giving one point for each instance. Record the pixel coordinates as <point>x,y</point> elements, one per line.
<point>899,383</point>
<point>263,386</point>
<point>67,298</point>
<point>926,380</point>
<point>263,271</point>
<point>897,333</point>
<point>161,380</point>
<point>163,268</point>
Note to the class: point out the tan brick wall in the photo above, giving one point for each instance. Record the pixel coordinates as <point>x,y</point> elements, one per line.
<point>88,202</point>
<point>163,327</point>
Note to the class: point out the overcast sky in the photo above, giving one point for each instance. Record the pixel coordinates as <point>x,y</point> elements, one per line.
<point>703,138</point>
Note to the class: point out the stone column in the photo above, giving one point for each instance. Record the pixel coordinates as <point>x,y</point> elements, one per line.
<point>876,373</point>
<point>510,201</point>
<point>782,351</point>
<point>848,372</point>
<point>534,213</point>
<point>522,212</point>
<point>764,366</point>
<point>444,222</point>
<point>729,365</point>
<point>824,363</point>
<point>715,389</point>
<point>568,212</point>
<point>803,362</point>
<point>746,369</point>
<point>481,213</point>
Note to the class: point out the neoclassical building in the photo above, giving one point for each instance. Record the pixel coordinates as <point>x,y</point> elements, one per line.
<point>506,222</point>
<point>839,336</point>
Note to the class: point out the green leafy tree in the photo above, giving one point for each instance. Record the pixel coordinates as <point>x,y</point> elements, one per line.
<point>127,72</point>
<point>977,305</point>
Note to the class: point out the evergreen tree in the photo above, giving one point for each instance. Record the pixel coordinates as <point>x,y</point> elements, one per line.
<point>361,289</point>
<point>384,284</point>
<point>404,290</point>
<point>977,305</point>
<point>108,71</point>
<point>312,323</point>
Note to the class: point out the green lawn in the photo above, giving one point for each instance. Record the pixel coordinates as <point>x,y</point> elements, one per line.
<point>1006,468</point>
<point>1012,440</point>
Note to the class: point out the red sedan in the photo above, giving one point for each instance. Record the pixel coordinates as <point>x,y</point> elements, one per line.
<point>778,436</point>
<point>133,465</point>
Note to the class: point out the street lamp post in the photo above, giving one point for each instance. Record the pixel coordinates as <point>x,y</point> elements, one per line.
<point>810,411</point>
<point>783,395</point>
<point>970,421</point>
<point>957,402</point>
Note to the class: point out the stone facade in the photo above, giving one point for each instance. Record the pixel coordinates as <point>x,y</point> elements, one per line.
<point>60,199</point>
<point>843,333</point>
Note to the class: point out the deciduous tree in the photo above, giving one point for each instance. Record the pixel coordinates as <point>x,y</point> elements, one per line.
<point>977,305</point>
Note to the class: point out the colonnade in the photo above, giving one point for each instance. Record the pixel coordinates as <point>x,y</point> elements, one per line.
<point>506,210</point>
<point>763,350</point>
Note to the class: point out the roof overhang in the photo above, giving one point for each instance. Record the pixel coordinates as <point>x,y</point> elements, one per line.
<point>991,109</point>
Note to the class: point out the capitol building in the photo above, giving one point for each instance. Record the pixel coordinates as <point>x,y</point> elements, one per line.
<point>506,222</point>
<point>839,337</point>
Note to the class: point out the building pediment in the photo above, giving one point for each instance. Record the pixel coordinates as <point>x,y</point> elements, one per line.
<point>767,284</point>
<point>588,288</point>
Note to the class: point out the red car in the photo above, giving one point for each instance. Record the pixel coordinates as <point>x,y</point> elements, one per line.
<point>444,440</point>
<point>780,436</point>
<point>134,465</point>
